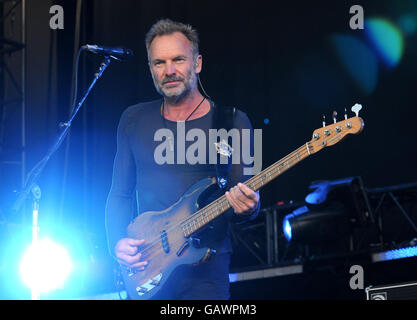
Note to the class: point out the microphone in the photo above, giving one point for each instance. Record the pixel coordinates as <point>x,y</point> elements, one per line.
<point>118,53</point>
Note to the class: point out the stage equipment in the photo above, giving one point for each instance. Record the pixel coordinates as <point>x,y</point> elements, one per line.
<point>395,254</point>
<point>395,213</point>
<point>118,53</point>
<point>30,185</point>
<point>12,98</point>
<point>400,291</point>
<point>331,212</point>
<point>259,243</point>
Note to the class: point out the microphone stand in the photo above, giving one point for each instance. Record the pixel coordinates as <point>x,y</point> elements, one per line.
<point>33,176</point>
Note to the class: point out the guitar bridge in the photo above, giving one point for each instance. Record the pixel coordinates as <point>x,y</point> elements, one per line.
<point>149,285</point>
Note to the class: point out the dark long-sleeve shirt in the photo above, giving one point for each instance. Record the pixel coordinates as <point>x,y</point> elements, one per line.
<point>141,184</point>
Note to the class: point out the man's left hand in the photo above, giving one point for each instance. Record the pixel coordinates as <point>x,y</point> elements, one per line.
<point>243,199</point>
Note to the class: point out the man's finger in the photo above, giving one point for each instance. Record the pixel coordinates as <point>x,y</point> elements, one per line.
<point>236,206</point>
<point>247,191</point>
<point>129,259</point>
<point>126,259</point>
<point>140,265</point>
<point>135,242</point>
<point>240,198</point>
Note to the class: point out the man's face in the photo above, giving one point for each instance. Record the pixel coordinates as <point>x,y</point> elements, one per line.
<point>173,66</point>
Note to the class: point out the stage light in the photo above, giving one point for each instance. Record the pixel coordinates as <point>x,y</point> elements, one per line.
<point>358,61</point>
<point>45,265</point>
<point>289,221</point>
<point>287,229</point>
<point>387,40</point>
<point>395,254</point>
<point>408,24</point>
<point>330,213</point>
<point>311,226</point>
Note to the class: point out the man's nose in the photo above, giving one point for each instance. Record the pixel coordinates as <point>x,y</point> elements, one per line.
<point>170,69</point>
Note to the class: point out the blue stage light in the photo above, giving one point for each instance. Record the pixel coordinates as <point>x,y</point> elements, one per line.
<point>408,24</point>
<point>387,40</point>
<point>45,266</point>
<point>286,222</point>
<point>395,254</point>
<point>287,229</point>
<point>358,61</point>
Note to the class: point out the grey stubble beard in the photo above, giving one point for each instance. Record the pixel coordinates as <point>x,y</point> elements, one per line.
<point>174,99</point>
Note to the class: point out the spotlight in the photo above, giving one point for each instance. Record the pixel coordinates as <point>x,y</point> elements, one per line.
<point>289,221</point>
<point>312,226</point>
<point>287,229</point>
<point>45,265</point>
<point>331,211</point>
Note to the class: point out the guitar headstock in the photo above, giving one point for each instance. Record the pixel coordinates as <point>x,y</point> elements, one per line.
<point>334,133</point>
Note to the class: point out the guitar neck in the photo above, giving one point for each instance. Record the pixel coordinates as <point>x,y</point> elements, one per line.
<point>205,215</point>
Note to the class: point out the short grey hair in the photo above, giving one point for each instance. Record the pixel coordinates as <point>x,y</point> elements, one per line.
<point>166,27</point>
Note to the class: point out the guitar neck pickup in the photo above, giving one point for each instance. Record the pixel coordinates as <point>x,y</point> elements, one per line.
<point>164,240</point>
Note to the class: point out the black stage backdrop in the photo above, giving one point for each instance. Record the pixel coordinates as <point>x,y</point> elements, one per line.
<point>278,62</point>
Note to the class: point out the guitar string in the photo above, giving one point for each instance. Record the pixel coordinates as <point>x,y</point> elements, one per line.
<point>254,180</point>
<point>147,252</point>
<point>272,168</point>
<point>258,183</point>
<point>209,208</point>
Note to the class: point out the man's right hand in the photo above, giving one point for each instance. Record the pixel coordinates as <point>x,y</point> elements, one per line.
<point>127,253</point>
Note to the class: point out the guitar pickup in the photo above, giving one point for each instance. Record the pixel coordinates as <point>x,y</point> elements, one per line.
<point>164,241</point>
<point>182,248</point>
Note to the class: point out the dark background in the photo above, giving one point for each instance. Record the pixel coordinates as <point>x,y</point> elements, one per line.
<point>272,60</point>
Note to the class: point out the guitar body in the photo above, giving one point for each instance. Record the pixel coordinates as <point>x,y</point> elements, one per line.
<point>166,248</point>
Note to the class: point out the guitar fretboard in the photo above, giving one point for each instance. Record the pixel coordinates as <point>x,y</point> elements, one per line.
<point>203,216</point>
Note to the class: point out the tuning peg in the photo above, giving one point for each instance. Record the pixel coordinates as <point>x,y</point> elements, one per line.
<point>345,114</point>
<point>324,120</point>
<point>356,108</point>
<point>334,116</point>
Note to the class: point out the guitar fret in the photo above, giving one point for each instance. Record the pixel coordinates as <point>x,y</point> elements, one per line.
<point>220,205</point>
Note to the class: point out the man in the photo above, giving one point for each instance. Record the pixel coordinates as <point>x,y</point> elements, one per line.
<point>175,63</point>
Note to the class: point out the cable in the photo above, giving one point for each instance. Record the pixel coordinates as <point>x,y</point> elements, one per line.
<point>202,88</point>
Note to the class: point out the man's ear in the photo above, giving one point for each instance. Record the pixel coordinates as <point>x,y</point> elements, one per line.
<point>198,63</point>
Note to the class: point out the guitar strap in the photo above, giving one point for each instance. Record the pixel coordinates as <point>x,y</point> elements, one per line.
<point>224,118</point>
